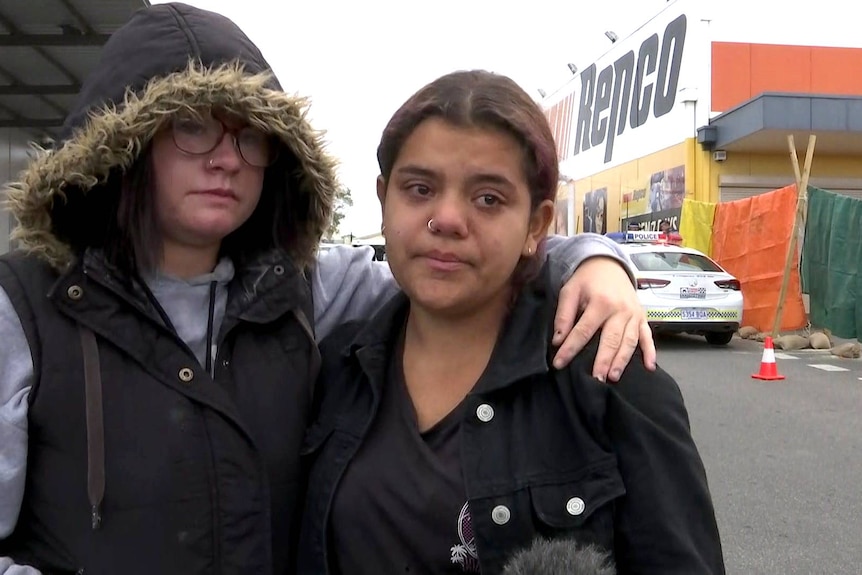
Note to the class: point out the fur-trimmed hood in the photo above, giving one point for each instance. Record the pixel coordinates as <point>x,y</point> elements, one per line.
<point>168,57</point>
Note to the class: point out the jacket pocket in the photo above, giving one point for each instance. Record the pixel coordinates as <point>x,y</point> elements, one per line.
<point>583,504</point>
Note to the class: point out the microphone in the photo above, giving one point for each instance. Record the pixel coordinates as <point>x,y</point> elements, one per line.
<point>560,557</point>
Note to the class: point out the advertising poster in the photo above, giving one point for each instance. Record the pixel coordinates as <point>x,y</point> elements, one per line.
<point>595,211</point>
<point>667,189</point>
<point>661,199</point>
<point>652,221</point>
<point>561,217</point>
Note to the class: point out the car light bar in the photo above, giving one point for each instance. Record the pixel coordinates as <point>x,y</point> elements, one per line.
<point>646,237</point>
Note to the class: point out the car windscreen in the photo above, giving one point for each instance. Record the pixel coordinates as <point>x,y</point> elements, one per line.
<point>673,262</point>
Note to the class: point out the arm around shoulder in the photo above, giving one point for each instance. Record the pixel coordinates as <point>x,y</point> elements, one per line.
<point>16,381</point>
<point>568,252</point>
<point>347,284</point>
<point>666,523</point>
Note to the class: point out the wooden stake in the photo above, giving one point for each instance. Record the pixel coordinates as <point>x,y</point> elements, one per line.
<point>794,159</point>
<point>801,199</point>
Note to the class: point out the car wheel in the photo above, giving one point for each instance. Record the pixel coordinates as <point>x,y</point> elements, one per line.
<point>719,337</point>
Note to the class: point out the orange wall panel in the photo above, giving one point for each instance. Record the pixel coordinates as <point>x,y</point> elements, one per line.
<point>743,71</point>
<point>731,74</point>
<point>836,71</point>
<point>780,69</point>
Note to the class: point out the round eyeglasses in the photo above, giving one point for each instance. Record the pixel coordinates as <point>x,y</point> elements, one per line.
<point>199,135</point>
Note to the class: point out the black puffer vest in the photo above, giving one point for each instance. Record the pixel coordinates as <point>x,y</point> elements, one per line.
<point>161,468</point>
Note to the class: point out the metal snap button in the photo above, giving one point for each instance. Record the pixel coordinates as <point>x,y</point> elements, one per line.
<point>75,292</point>
<point>501,515</point>
<point>575,506</point>
<point>485,413</point>
<point>186,375</point>
<point>279,270</point>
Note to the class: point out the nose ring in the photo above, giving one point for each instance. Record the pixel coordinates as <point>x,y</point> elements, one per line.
<point>431,226</point>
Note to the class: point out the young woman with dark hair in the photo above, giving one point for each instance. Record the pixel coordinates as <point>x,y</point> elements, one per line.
<point>444,441</point>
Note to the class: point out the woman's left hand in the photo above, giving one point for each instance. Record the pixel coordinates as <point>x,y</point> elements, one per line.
<point>603,290</point>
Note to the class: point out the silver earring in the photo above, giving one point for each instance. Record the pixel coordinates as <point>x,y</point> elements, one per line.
<point>382,230</point>
<point>529,251</point>
<point>431,226</point>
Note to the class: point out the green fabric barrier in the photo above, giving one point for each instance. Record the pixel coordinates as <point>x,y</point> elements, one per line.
<point>832,262</point>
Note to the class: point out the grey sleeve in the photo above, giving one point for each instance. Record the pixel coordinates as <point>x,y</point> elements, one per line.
<point>347,284</point>
<point>16,381</point>
<point>9,568</point>
<point>567,253</point>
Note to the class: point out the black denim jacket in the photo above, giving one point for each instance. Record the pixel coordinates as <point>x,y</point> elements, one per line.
<point>561,455</point>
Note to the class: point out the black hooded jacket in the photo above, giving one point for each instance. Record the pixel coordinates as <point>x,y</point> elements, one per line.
<point>139,460</point>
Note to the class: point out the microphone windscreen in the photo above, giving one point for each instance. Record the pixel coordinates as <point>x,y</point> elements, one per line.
<point>560,557</point>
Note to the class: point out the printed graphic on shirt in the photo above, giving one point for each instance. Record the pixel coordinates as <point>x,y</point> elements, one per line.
<point>464,553</point>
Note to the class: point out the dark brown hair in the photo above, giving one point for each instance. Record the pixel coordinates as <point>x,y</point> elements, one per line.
<point>481,99</point>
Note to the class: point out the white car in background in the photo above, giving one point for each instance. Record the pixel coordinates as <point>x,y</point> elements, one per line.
<point>681,289</point>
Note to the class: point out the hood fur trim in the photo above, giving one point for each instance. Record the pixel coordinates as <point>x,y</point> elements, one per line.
<point>114,136</point>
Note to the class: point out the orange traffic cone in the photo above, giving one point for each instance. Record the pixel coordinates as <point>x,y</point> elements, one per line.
<point>768,367</point>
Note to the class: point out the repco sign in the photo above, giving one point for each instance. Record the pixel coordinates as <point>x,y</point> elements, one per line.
<point>627,93</point>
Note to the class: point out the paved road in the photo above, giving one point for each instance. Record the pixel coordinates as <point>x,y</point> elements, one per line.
<point>784,458</point>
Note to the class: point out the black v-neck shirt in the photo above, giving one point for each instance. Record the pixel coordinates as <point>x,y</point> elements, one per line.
<point>401,506</point>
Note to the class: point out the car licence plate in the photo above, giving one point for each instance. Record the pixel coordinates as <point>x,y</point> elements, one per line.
<point>694,313</point>
<point>692,293</point>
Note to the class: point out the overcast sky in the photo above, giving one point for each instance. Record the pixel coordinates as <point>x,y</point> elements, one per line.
<point>358,61</point>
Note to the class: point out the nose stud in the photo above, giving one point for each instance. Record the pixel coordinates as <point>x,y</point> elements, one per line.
<point>210,163</point>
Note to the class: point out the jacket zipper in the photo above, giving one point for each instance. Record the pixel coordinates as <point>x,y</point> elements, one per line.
<point>215,492</point>
<point>209,363</point>
<point>209,366</point>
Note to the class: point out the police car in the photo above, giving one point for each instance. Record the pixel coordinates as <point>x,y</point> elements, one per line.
<point>681,289</point>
